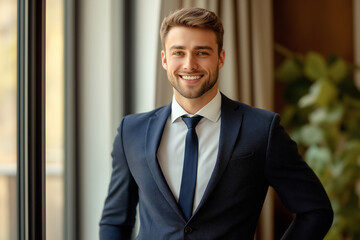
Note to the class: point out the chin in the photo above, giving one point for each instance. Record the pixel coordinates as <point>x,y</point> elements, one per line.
<point>192,94</point>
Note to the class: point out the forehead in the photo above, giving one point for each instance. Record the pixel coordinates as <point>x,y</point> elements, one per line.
<point>190,37</point>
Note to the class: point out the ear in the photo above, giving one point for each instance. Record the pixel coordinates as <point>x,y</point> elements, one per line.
<point>221,59</point>
<point>163,59</point>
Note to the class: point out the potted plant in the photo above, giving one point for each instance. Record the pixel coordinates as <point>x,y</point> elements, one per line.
<point>323,116</point>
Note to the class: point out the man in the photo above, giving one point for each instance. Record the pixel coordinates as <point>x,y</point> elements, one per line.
<point>200,167</point>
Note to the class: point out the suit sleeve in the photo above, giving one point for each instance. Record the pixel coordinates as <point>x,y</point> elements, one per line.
<point>118,217</point>
<point>298,187</point>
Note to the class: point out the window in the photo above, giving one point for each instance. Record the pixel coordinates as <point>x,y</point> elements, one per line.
<point>9,117</point>
<point>8,193</point>
<point>54,113</point>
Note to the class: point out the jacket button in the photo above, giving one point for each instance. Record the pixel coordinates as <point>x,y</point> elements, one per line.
<point>188,229</point>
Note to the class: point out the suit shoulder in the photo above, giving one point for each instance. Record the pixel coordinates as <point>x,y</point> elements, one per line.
<point>139,118</point>
<point>245,108</point>
<point>255,112</point>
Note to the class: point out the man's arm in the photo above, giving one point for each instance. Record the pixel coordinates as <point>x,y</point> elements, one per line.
<point>119,212</point>
<point>298,187</point>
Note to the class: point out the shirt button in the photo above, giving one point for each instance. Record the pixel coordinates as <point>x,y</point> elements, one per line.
<point>188,229</point>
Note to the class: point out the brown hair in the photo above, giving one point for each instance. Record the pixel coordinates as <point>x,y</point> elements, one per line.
<point>193,17</point>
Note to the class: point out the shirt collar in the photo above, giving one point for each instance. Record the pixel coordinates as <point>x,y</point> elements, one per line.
<point>210,111</point>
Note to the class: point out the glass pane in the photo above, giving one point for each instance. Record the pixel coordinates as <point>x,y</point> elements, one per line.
<point>8,190</point>
<point>55,119</point>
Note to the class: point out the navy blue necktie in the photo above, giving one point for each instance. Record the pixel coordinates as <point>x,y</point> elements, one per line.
<point>188,181</point>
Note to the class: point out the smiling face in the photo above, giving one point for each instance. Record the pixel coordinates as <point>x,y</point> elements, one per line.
<point>192,62</point>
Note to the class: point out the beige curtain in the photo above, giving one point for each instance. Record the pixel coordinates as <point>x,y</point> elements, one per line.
<point>247,75</point>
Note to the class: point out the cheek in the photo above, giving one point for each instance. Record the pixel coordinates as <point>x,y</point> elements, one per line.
<point>210,64</point>
<point>211,68</point>
<point>173,64</point>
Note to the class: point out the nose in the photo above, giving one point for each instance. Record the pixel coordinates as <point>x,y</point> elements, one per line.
<point>190,63</point>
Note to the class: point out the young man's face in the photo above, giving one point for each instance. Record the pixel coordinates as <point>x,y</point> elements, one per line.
<point>192,62</point>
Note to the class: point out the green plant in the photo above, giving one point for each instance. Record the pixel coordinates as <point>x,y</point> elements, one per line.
<point>323,116</point>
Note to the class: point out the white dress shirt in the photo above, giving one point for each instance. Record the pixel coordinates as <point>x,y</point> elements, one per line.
<point>172,146</point>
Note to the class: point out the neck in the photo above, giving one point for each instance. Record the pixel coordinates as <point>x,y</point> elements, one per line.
<point>193,105</point>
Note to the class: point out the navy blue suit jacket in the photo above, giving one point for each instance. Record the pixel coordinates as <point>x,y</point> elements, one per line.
<point>254,153</point>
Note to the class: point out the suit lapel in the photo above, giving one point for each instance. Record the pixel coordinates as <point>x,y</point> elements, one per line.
<point>231,120</point>
<point>153,137</point>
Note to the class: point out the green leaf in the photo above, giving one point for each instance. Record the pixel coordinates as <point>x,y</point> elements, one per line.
<point>287,114</point>
<point>311,135</point>
<point>318,157</point>
<point>329,114</point>
<point>315,66</point>
<point>328,92</point>
<point>310,98</point>
<point>296,135</point>
<point>325,122</point>
<point>348,87</point>
<point>352,102</point>
<point>352,117</point>
<point>351,152</point>
<point>338,70</point>
<point>322,92</point>
<point>288,71</point>
<point>337,169</point>
<point>294,90</point>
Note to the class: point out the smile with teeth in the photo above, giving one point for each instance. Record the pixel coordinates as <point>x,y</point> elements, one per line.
<point>190,77</point>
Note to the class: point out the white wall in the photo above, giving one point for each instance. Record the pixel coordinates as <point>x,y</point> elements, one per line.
<point>146,55</point>
<point>95,112</point>
<point>100,93</point>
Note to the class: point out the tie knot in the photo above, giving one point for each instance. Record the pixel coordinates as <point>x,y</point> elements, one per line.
<point>191,122</point>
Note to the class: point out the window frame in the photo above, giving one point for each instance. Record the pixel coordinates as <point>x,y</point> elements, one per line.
<point>31,120</point>
<point>71,32</point>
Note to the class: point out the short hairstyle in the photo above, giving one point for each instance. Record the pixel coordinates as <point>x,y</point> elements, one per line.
<point>196,18</point>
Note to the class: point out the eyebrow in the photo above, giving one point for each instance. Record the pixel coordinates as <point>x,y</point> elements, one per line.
<point>204,47</point>
<point>196,48</point>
